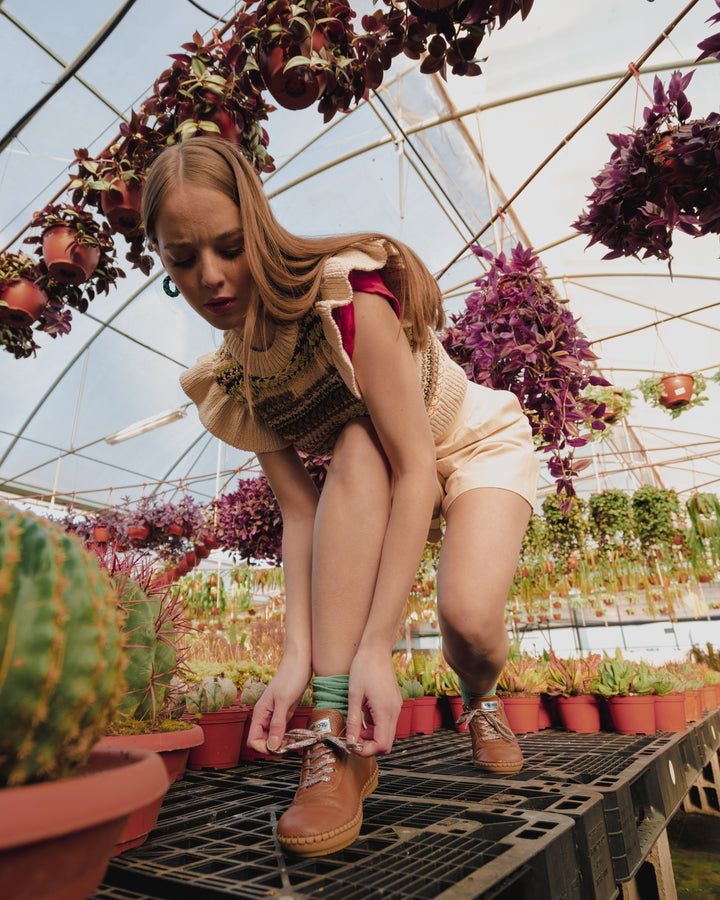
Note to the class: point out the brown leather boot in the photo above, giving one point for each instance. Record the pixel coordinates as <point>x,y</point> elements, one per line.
<point>494,747</point>
<point>326,812</point>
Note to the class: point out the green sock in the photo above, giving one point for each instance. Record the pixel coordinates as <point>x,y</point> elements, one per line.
<point>331,692</point>
<point>467,695</point>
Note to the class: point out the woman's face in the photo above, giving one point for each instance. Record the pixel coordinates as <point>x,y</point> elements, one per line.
<point>201,245</point>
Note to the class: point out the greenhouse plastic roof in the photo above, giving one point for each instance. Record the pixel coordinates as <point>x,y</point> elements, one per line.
<point>424,160</point>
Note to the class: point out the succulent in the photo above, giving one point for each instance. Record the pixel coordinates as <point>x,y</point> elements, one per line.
<point>413,688</point>
<point>205,696</point>
<point>252,691</point>
<point>61,650</point>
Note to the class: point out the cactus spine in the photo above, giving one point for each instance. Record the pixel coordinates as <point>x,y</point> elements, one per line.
<point>61,662</point>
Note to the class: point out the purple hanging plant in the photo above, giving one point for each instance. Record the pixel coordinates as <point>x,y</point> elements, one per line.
<point>515,335</point>
<point>660,177</point>
<point>711,46</point>
<point>248,521</point>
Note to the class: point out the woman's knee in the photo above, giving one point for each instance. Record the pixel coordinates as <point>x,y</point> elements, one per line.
<point>474,628</point>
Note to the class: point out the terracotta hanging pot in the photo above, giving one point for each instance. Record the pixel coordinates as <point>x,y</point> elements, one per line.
<point>121,206</point>
<point>201,551</point>
<point>101,534</point>
<point>138,532</point>
<point>677,391</point>
<point>56,838</point>
<point>24,303</point>
<point>175,528</point>
<point>67,261</point>
<point>300,86</point>
<point>613,407</point>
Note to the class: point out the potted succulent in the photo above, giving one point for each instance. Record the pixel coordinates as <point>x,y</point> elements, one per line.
<point>617,401</point>
<point>669,692</point>
<point>516,335</point>
<point>520,684</point>
<point>571,680</point>
<point>62,803</point>
<point>655,181</point>
<point>674,392</point>
<point>628,689</point>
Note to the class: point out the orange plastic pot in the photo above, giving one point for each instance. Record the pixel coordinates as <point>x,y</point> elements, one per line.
<point>121,206</point>
<point>677,391</point>
<point>223,731</point>
<point>67,261</point>
<point>633,715</point>
<point>404,722</point>
<point>579,713</point>
<point>523,713</point>
<point>670,712</point>
<point>423,715</point>
<point>56,838</point>
<point>300,86</point>
<point>693,705</point>
<point>24,302</point>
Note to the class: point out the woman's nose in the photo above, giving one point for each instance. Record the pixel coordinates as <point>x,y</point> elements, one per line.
<point>211,271</point>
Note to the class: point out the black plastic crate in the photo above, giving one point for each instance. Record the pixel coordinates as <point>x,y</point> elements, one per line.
<point>642,778</point>
<point>408,848</point>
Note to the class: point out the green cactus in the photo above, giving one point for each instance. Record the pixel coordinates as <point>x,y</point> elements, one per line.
<point>414,689</point>
<point>61,661</point>
<point>204,696</point>
<point>149,644</point>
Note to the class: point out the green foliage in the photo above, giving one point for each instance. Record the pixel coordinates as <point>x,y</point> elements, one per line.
<point>610,519</point>
<point>572,676</point>
<point>526,675</point>
<point>655,511</point>
<point>652,390</point>
<point>62,669</point>
<point>413,689</point>
<point>567,529</point>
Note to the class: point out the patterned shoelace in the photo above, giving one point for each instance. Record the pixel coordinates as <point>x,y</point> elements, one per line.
<point>489,723</point>
<point>324,750</point>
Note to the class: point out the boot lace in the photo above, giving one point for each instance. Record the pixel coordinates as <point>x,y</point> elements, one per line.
<point>324,750</point>
<point>489,724</point>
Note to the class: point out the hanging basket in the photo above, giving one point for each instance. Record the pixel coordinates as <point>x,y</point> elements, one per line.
<point>24,302</point>
<point>121,206</point>
<point>299,86</point>
<point>68,261</point>
<point>676,391</point>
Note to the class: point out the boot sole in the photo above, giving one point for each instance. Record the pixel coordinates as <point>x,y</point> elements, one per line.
<point>332,841</point>
<point>510,769</point>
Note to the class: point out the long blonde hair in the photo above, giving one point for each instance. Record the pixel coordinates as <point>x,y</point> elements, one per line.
<point>285,268</point>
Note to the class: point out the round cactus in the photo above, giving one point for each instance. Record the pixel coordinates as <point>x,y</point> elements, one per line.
<point>149,644</point>
<point>204,696</point>
<point>61,661</point>
<point>413,688</point>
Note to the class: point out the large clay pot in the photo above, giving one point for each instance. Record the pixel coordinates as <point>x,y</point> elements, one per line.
<point>580,713</point>
<point>523,713</point>
<point>56,838</point>
<point>634,714</point>
<point>24,303</point>
<point>121,206</point>
<point>299,87</point>
<point>677,391</point>
<point>670,712</point>
<point>67,261</point>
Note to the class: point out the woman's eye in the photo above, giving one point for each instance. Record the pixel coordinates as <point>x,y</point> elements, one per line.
<point>233,252</point>
<point>182,262</point>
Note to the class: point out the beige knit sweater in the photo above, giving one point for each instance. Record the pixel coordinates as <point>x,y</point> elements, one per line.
<point>303,386</point>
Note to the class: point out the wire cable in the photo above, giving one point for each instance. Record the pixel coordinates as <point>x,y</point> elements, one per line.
<point>69,73</point>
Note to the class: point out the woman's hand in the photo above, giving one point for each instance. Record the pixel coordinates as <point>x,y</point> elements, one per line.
<point>276,705</point>
<point>373,686</point>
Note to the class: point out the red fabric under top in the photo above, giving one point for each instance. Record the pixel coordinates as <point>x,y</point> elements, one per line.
<point>367,283</point>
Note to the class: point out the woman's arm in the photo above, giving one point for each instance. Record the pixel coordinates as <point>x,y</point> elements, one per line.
<point>388,378</point>
<point>297,497</point>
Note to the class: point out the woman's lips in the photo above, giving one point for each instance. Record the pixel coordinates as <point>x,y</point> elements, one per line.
<point>220,304</point>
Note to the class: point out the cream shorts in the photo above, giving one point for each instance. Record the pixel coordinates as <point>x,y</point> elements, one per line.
<point>488,445</point>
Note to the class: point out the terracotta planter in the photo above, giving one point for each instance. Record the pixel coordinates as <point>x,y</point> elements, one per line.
<point>299,87</point>
<point>670,712</point>
<point>707,698</point>
<point>56,838</point>
<point>423,715</point>
<point>175,528</point>
<point>138,532</point>
<point>633,715</point>
<point>101,534</point>
<point>121,206</point>
<point>67,261</point>
<point>548,715</point>
<point>223,731</point>
<point>677,391</point>
<point>24,303</point>
<point>173,747</point>
<point>579,713</point>
<point>693,705</point>
<point>404,722</point>
<point>523,713</point>
<point>299,718</point>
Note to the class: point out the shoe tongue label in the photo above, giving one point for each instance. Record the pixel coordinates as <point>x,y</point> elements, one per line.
<point>320,726</point>
<point>490,705</point>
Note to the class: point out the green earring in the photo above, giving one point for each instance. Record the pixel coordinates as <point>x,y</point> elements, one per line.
<point>169,287</point>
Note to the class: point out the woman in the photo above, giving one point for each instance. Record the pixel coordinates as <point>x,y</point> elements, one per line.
<point>329,348</point>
